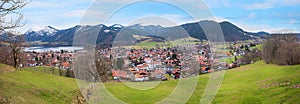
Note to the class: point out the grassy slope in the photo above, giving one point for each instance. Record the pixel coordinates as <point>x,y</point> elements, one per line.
<point>183,41</point>
<point>260,83</point>
<point>35,87</point>
<point>44,69</point>
<point>256,83</point>
<point>147,44</point>
<point>6,68</point>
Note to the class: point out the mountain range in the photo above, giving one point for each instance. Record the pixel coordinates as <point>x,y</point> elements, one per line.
<point>107,34</point>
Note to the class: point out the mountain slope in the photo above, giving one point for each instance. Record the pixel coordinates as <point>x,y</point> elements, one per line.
<point>232,32</point>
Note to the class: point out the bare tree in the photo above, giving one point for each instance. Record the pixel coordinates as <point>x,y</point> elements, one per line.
<point>103,67</point>
<point>5,56</point>
<point>282,49</point>
<point>12,49</point>
<point>10,16</point>
<point>251,56</point>
<point>10,43</point>
<point>92,67</point>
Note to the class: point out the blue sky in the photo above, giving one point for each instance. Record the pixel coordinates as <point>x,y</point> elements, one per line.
<point>250,15</point>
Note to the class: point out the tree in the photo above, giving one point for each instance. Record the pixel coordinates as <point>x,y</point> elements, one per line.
<point>15,44</point>
<point>282,49</point>
<point>102,68</point>
<point>250,56</point>
<point>118,63</point>
<point>92,67</point>
<point>10,16</point>
<point>12,49</point>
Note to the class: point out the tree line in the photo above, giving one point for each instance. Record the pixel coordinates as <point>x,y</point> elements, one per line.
<point>282,49</point>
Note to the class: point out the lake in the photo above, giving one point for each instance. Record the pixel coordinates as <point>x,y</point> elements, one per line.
<point>54,49</point>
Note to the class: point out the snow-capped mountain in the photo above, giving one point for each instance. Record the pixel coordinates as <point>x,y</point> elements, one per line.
<point>65,36</point>
<point>46,31</point>
<point>107,34</point>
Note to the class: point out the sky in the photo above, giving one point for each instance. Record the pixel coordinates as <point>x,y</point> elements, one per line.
<point>251,15</point>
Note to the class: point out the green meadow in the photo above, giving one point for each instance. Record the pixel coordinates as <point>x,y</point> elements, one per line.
<point>33,87</point>
<point>255,83</point>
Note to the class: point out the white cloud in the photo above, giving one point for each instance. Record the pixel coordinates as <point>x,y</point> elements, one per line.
<point>290,2</point>
<point>254,28</point>
<point>292,21</point>
<point>284,30</point>
<point>57,13</point>
<point>165,20</point>
<point>178,19</point>
<point>218,19</point>
<point>67,13</point>
<point>114,1</point>
<point>252,15</point>
<point>271,4</point>
<point>218,3</point>
<point>74,13</point>
<point>55,4</point>
<point>265,5</point>
<point>266,28</point>
<point>42,4</point>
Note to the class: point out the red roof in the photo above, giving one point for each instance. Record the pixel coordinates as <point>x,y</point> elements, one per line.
<point>65,64</point>
<point>140,67</point>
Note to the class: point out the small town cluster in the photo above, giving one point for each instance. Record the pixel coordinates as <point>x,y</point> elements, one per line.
<point>145,64</point>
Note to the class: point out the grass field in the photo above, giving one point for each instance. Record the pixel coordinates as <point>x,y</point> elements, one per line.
<point>152,44</point>
<point>30,87</point>
<point>255,83</point>
<point>6,68</point>
<point>260,83</point>
<point>148,44</point>
<point>43,69</point>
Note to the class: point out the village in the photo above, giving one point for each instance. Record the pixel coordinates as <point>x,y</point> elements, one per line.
<point>148,64</point>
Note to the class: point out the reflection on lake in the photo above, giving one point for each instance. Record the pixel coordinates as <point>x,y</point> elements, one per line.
<point>54,49</point>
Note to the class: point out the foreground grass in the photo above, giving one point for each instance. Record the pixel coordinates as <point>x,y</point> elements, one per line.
<point>256,83</point>
<point>43,69</point>
<point>157,94</point>
<point>30,87</point>
<point>260,83</point>
<point>6,68</point>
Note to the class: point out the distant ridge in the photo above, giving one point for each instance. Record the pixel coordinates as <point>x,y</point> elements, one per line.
<point>108,33</point>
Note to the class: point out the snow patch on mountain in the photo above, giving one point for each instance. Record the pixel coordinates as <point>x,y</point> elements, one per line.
<point>45,31</point>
